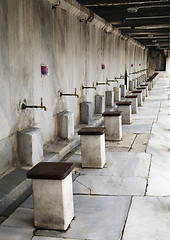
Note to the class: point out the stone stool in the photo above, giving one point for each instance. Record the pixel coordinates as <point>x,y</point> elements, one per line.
<point>99,104</point>
<point>86,112</point>
<point>113,125</point>
<point>30,146</point>
<point>135,82</point>
<point>139,94</point>
<point>92,147</point>
<point>117,94</point>
<point>52,194</point>
<point>134,100</point>
<point>131,85</point>
<point>123,90</point>
<point>143,92</point>
<point>66,124</point>
<point>126,108</point>
<point>146,87</point>
<point>150,84</point>
<point>109,98</point>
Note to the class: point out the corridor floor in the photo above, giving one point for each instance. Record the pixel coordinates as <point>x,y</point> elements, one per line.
<point>129,198</point>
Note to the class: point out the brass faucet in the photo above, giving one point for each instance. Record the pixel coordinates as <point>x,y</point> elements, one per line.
<point>89,87</point>
<point>103,83</point>
<point>24,106</point>
<point>69,94</point>
<point>112,80</point>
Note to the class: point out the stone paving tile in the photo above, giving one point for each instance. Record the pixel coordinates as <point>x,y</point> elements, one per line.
<point>125,142</point>
<point>21,218</point>
<point>123,165</point>
<point>96,218</point>
<point>108,185</point>
<point>140,143</point>
<point>138,126</point>
<point>148,219</point>
<point>117,149</point>
<point>10,233</point>
<point>159,177</point>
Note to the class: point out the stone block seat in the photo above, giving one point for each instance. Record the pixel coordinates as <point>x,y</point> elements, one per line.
<point>113,125</point>
<point>126,108</point>
<point>92,147</point>
<point>145,85</point>
<point>134,100</point>
<point>52,194</point>
<point>150,84</point>
<point>139,94</point>
<point>143,92</point>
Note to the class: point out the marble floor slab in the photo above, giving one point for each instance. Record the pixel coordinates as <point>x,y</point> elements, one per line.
<point>140,143</point>
<point>117,149</point>
<point>10,233</point>
<point>118,164</point>
<point>96,218</point>
<point>123,165</point>
<point>138,126</point>
<point>20,218</point>
<point>125,142</point>
<point>108,185</point>
<point>159,177</point>
<point>148,219</point>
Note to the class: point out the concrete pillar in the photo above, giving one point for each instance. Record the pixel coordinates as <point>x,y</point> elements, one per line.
<point>30,146</point>
<point>52,195</point>
<point>109,98</point>
<point>99,104</point>
<point>113,125</point>
<point>126,109</point>
<point>86,112</point>
<point>93,147</point>
<point>66,124</point>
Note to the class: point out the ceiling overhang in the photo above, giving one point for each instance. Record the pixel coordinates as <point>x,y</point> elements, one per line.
<point>147,22</point>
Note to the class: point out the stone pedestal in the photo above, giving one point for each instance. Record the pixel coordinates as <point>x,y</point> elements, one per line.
<point>99,104</point>
<point>30,146</point>
<point>86,112</point>
<point>146,87</point>
<point>93,147</point>
<point>52,194</point>
<point>66,124</point>
<point>143,93</point>
<point>134,100</point>
<point>113,125</point>
<point>126,109</point>
<point>139,94</point>
<point>131,85</point>
<point>135,83</point>
<point>117,94</point>
<point>123,90</point>
<point>109,98</point>
<point>149,82</point>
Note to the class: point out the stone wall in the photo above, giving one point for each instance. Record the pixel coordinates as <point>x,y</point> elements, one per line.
<point>31,34</point>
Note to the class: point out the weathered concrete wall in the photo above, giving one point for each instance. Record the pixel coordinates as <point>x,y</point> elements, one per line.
<point>31,34</point>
